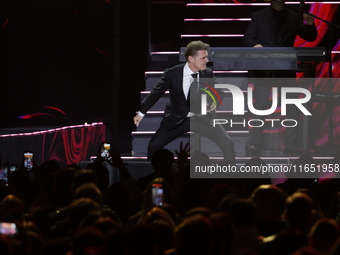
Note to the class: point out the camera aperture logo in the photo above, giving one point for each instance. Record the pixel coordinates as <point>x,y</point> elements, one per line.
<point>239,105</point>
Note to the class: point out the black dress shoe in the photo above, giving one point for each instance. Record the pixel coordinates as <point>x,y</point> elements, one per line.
<point>252,150</point>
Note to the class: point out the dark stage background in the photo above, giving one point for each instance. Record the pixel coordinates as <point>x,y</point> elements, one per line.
<point>56,61</point>
<point>63,61</point>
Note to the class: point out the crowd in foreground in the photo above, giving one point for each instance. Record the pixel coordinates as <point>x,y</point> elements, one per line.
<point>67,210</point>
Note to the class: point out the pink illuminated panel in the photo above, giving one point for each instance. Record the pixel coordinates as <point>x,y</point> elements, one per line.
<point>213,35</point>
<point>236,19</point>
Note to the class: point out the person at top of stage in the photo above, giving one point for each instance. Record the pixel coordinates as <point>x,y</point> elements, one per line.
<point>180,115</point>
<point>275,26</point>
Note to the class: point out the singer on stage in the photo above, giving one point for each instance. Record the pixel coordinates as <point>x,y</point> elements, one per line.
<point>275,26</point>
<point>181,113</point>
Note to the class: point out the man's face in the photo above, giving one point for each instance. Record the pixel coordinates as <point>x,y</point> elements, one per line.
<point>278,4</point>
<point>198,62</point>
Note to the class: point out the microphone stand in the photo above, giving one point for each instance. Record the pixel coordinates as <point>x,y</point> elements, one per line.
<point>327,97</point>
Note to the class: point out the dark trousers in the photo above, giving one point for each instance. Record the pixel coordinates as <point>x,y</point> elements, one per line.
<point>261,94</point>
<point>200,125</point>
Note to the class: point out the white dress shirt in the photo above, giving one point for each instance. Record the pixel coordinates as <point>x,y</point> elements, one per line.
<point>187,80</point>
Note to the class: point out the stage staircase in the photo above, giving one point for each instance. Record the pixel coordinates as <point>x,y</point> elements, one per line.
<point>220,25</point>
<point>172,26</point>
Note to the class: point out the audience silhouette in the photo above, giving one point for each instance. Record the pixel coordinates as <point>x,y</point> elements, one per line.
<point>69,210</point>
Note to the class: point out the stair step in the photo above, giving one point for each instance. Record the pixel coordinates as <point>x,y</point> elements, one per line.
<point>273,143</point>
<point>222,10</point>
<point>227,102</point>
<point>214,40</point>
<point>229,10</point>
<point>215,26</point>
<point>161,60</point>
<point>140,142</point>
<point>152,120</point>
<point>230,77</point>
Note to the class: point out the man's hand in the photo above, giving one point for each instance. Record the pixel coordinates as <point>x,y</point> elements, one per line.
<point>211,108</point>
<point>308,19</point>
<point>182,155</point>
<point>258,46</point>
<point>137,119</point>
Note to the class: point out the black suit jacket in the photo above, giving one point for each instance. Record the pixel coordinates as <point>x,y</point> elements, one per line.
<point>261,29</point>
<point>177,107</point>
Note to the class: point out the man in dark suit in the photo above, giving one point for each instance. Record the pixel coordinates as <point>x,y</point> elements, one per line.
<point>275,26</point>
<point>179,115</point>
